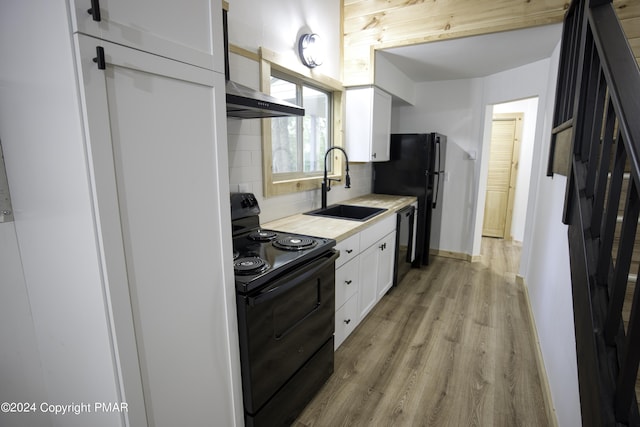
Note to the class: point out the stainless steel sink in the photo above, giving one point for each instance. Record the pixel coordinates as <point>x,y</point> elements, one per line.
<point>350,212</point>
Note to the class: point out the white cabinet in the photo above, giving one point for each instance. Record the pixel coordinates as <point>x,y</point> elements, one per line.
<point>364,273</point>
<point>376,263</point>
<point>368,124</point>
<point>349,248</point>
<point>189,31</point>
<point>121,193</point>
<point>154,168</point>
<point>347,283</point>
<point>346,320</point>
<point>368,291</point>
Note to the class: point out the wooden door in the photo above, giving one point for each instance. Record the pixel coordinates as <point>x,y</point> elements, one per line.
<point>506,132</point>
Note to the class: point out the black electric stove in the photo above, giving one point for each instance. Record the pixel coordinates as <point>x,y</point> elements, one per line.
<point>261,255</point>
<point>285,300</point>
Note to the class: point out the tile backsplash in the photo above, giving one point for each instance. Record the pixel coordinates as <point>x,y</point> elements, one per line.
<point>245,174</point>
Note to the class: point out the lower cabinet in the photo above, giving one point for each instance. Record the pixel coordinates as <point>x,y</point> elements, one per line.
<point>364,275</point>
<point>376,272</point>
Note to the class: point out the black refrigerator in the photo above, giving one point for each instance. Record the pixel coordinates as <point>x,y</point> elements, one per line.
<point>416,168</point>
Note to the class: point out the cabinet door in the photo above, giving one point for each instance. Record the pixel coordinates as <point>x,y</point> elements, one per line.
<point>368,124</point>
<point>386,263</point>
<point>381,126</point>
<point>367,292</point>
<point>155,133</point>
<point>188,30</point>
<point>358,105</point>
<point>346,320</point>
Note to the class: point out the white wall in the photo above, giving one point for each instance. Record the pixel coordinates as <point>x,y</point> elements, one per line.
<point>252,26</point>
<point>21,376</point>
<point>63,306</point>
<point>545,267</point>
<point>451,108</point>
<point>389,78</point>
<point>278,24</point>
<point>461,109</point>
<point>530,109</point>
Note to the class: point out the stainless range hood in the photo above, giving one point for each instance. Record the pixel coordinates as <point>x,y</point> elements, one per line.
<point>246,103</point>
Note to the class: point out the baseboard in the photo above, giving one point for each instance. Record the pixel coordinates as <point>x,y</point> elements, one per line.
<point>546,389</point>
<point>451,254</point>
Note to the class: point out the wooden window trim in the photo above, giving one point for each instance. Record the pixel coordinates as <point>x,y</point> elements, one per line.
<point>272,61</point>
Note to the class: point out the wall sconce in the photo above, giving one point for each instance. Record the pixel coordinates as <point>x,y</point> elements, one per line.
<point>309,50</point>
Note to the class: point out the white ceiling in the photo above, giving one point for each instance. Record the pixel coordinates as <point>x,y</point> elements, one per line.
<point>477,56</point>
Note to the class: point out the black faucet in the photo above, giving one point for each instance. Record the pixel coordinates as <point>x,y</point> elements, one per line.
<point>326,182</point>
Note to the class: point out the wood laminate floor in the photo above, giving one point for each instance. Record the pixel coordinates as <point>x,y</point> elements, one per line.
<point>450,346</point>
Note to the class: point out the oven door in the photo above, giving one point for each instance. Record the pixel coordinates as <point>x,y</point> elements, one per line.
<point>282,325</point>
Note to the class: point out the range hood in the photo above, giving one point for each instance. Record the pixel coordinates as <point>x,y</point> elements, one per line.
<point>246,103</point>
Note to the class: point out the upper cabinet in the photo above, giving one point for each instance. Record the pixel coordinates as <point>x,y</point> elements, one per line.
<point>368,124</point>
<point>189,31</point>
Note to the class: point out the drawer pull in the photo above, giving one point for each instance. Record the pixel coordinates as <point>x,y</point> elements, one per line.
<point>349,251</point>
<point>347,321</point>
<point>348,282</point>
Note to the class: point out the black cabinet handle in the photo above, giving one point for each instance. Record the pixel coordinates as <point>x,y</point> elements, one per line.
<point>99,59</point>
<point>95,10</point>
<point>349,251</point>
<point>383,246</point>
<point>373,155</point>
<point>347,321</point>
<point>348,282</point>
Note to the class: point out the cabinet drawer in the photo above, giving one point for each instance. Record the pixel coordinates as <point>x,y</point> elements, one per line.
<point>346,320</point>
<point>349,248</point>
<point>377,231</point>
<point>347,281</point>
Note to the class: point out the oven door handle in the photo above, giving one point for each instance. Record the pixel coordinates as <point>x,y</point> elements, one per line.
<point>293,279</point>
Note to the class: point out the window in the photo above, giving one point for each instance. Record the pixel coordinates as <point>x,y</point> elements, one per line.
<point>293,148</point>
<point>298,144</point>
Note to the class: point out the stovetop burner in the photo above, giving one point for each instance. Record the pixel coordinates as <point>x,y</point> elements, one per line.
<point>294,243</point>
<point>262,235</point>
<point>260,255</point>
<point>250,265</point>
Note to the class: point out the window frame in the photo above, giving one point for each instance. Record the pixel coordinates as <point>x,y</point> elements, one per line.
<point>269,61</point>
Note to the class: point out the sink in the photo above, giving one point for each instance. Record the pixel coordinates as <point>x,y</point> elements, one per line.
<point>350,212</point>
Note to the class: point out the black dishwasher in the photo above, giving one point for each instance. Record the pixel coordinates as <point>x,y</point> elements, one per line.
<point>405,243</point>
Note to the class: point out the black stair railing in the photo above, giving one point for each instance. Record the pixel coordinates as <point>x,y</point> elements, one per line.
<point>598,101</point>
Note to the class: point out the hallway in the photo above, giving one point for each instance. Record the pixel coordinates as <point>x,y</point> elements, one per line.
<point>452,345</point>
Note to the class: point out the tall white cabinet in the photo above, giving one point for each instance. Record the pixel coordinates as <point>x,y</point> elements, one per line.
<point>115,142</point>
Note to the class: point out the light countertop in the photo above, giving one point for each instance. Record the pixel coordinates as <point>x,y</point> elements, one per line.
<point>340,229</point>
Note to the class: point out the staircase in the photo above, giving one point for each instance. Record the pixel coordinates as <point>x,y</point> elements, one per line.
<point>597,120</point>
